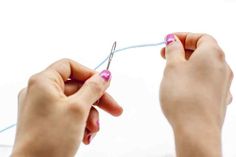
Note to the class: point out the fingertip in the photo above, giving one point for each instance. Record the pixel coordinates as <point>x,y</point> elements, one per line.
<point>93,124</point>
<point>174,50</point>
<point>88,138</point>
<point>105,75</point>
<point>85,137</point>
<point>110,105</point>
<point>118,112</point>
<point>170,38</point>
<point>163,53</point>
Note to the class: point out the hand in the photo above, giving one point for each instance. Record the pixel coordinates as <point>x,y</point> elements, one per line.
<point>194,92</point>
<point>56,110</point>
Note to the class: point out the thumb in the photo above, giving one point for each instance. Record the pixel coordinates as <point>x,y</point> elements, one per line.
<point>174,51</point>
<point>92,89</point>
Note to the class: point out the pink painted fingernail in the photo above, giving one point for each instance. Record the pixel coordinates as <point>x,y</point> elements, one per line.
<point>106,75</point>
<point>90,138</point>
<point>170,38</point>
<point>97,122</point>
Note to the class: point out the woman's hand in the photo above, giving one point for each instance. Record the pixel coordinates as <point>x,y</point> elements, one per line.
<point>56,110</point>
<point>195,92</point>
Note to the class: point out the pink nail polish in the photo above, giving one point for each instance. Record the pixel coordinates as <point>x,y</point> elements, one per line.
<point>106,75</point>
<point>97,122</point>
<point>90,138</point>
<point>170,38</point>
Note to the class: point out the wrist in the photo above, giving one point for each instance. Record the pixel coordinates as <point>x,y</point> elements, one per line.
<point>21,152</point>
<point>17,154</point>
<point>198,140</point>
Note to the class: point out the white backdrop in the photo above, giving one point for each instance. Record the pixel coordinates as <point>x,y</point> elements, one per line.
<point>34,34</point>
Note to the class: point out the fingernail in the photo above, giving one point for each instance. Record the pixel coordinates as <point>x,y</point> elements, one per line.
<point>170,38</point>
<point>97,102</point>
<point>90,138</point>
<point>97,122</point>
<point>106,75</point>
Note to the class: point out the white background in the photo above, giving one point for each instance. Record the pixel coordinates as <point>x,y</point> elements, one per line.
<point>34,34</point>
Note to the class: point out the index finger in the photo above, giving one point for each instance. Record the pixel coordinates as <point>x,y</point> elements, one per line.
<point>106,102</point>
<point>192,41</point>
<point>68,68</point>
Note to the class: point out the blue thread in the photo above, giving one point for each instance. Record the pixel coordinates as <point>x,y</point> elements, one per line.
<point>101,63</point>
<point>9,127</point>
<point>126,48</point>
<point>5,146</point>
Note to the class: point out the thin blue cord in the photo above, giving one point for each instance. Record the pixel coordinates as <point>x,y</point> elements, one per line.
<point>9,127</point>
<point>5,146</point>
<point>101,63</point>
<point>126,48</point>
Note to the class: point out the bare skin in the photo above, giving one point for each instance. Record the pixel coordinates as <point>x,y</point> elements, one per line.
<point>57,110</point>
<point>195,92</point>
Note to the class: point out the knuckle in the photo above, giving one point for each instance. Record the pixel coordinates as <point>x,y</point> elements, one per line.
<point>21,92</point>
<point>221,68</point>
<point>208,36</point>
<point>34,80</point>
<point>77,109</point>
<point>65,60</point>
<point>216,52</point>
<point>74,107</point>
<point>63,63</point>
<point>231,73</point>
<point>37,81</point>
<point>229,99</point>
<point>221,56</point>
<point>219,53</point>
